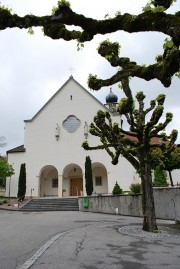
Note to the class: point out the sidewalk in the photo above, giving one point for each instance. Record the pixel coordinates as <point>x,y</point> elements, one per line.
<point>105,245</point>
<point>13,204</point>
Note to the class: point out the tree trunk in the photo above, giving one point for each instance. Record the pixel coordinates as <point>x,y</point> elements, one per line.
<point>170,177</point>
<point>148,208</point>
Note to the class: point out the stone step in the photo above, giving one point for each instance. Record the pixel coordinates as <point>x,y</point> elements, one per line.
<point>55,204</point>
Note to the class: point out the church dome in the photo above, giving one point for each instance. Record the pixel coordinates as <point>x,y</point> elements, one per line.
<point>111,97</point>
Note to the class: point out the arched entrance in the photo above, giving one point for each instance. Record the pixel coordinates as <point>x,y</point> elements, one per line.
<point>72,180</point>
<point>48,181</point>
<point>100,179</point>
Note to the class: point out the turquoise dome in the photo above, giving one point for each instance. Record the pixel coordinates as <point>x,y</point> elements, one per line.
<point>111,97</point>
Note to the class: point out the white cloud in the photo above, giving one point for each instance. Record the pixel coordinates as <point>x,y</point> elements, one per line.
<point>32,68</point>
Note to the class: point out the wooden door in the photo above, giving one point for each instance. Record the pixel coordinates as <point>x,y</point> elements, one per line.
<point>76,186</point>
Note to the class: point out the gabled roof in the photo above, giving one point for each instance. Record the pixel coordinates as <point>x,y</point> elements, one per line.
<point>70,78</point>
<point>17,149</point>
<point>154,140</point>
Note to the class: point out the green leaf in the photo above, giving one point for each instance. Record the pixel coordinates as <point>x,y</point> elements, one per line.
<point>169,44</point>
<point>30,31</point>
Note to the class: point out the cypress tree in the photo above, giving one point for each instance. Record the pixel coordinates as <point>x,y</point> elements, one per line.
<point>22,182</point>
<point>88,176</point>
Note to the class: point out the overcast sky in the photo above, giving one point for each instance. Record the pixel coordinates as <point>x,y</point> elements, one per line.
<point>33,68</point>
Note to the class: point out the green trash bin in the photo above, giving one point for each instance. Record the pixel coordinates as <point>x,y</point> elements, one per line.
<point>85,202</point>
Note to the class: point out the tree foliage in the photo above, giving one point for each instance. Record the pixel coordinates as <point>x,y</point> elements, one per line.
<point>168,161</point>
<point>88,176</point>
<point>148,134</point>
<point>2,143</point>
<point>2,182</point>
<point>22,182</point>
<point>3,172</point>
<point>6,169</point>
<point>160,178</point>
<point>154,18</point>
<point>139,144</point>
<point>172,162</point>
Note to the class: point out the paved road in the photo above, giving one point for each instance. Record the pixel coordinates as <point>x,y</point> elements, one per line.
<point>55,240</point>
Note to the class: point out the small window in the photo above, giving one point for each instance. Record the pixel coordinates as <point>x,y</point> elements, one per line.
<point>98,181</point>
<point>54,183</point>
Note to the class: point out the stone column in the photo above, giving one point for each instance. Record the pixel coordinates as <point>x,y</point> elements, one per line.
<point>84,187</point>
<point>36,192</point>
<point>60,181</point>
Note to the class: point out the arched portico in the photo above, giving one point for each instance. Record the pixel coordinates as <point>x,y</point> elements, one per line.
<point>48,181</point>
<point>72,180</point>
<point>100,179</point>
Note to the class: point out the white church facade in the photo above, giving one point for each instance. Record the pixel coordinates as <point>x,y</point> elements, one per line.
<point>52,152</point>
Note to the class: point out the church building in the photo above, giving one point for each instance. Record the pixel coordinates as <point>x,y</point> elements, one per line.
<point>52,151</point>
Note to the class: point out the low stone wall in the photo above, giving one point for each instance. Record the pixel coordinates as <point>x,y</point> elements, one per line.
<point>167,204</point>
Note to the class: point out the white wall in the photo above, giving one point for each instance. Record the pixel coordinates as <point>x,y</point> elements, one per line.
<point>15,159</point>
<point>43,149</point>
<point>42,145</point>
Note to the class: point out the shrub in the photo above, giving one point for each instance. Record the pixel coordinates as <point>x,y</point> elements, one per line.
<point>135,188</point>
<point>116,189</point>
<point>2,182</point>
<point>1,202</point>
<point>160,179</point>
<point>5,201</point>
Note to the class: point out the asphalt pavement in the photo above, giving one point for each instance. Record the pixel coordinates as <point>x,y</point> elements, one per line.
<point>55,240</point>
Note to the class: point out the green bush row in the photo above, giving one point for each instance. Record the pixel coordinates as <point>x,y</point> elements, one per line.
<point>134,189</point>
<point>3,202</point>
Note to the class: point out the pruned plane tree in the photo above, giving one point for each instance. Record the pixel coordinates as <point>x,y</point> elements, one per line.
<point>153,18</point>
<point>144,145</point>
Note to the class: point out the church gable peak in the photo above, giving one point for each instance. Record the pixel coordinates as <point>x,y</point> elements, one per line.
<point>70,80</point>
